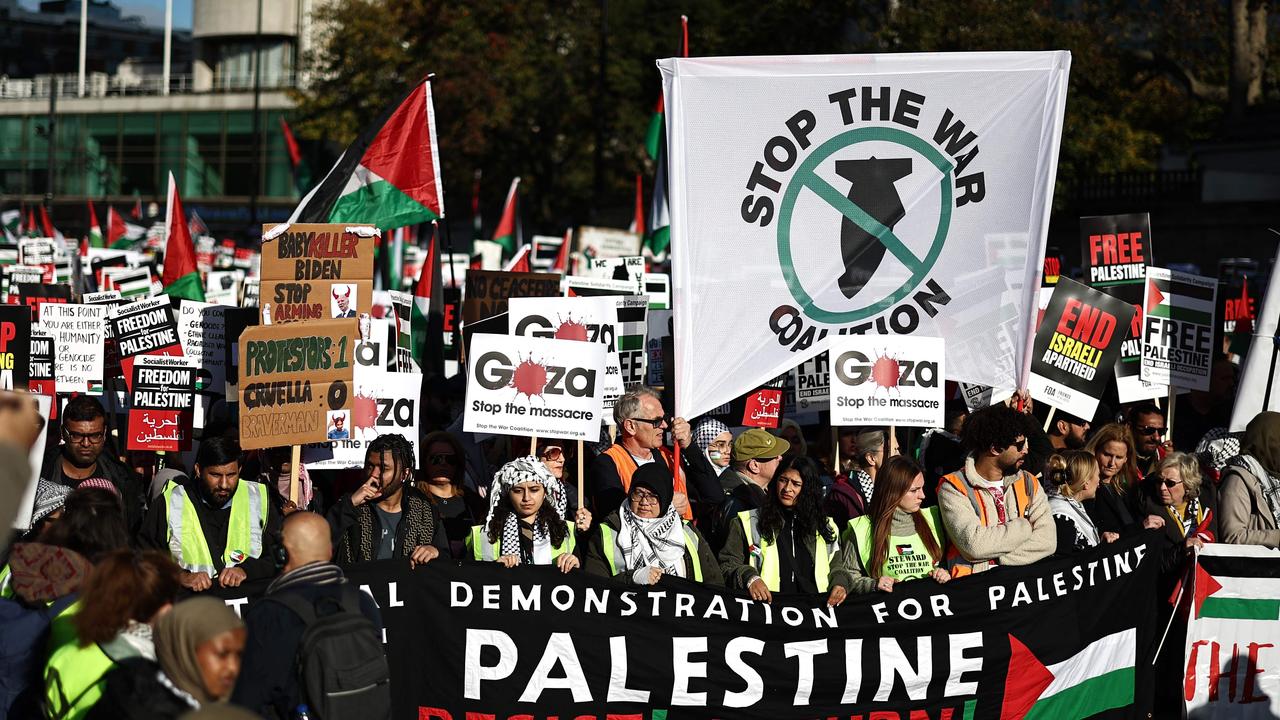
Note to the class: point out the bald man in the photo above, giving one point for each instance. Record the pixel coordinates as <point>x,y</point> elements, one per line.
<point>268,682</point>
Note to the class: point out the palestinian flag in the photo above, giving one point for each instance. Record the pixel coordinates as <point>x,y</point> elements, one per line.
<point>637,223</point>
<point>1100,677</point>
<point>1237,582</point>
<point>562,258</point>
<point>12,222</point>
<point>120,234</point>
<point>659,237</point>
<point>46,225</point>
<point>507,233</point>
<point>181,277</point>
<point>423,292</point>
<point>95,230</point>
<point>519,263</point>
<point>136,211</point>
<point>653,139</point>
<point>389,177</point>
<point>1179,296</point>
<point>31,229</point>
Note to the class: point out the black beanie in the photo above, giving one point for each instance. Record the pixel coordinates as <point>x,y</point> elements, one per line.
<point>656,479</point>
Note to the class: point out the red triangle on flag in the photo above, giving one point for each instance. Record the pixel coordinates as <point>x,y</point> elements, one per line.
<point>1154,296</point>
<point>426,274</point>
<point>1027,678</point>
<point>1206,585</point>
<point>116,228</point>
<point>179,253</point>
<point>562,257</point>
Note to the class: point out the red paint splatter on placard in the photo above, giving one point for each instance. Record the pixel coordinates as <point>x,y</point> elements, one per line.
<point>529,378</point>
<point>364,411</point>
<point>571,330</point>
<point>885,372</point>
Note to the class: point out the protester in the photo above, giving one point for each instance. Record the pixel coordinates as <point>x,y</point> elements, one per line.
<point>120,602</point>
<point>941,451</point>
<point>198,645</point>
<point>276,467</point>
<point>1250,491</point>
<point>387,517</point>
<point>851,493</point>
<point>995,513</point>
<point>1068,432</point>
<point>787,545</point>
<point>217,527</point>
<point>85,453</point>
<point>269,683</point>
<point>1216,449</point>
<point>756,457</point>
<point>646,538</point>
<point>1114,508</point>
<point>896,519</point>
<point>1188,506</point>
<point>444,483</point>
<point>715,441</point>
<point>641,421</point>
<point>790,431</point>
<point>1074,477</point>
<point>1147,423</point>
<point>526,519</point>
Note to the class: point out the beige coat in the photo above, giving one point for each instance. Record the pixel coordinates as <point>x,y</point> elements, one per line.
<point>1020,541</point>
<point>1245,518</point>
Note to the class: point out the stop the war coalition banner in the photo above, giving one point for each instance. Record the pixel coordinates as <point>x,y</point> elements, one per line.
<point>476,640</point>
<point>896,194</point>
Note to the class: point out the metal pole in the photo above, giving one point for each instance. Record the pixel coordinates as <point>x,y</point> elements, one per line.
<point>53,135</point>
<point>257,124</point>
<point>84,32</point>
<point>602,91</point>
<point>168,44</point>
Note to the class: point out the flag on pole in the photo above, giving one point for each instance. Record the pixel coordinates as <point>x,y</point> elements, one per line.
<point>637,223</point>
<point>45,224</point>
<point>301,172</point>
<point>95,230</point>
<point>506,233</point>
<point>389,176</point>
<point>519,263</point>
<point>12,222</point>
<point>181,277</point>
<point>562,258</point>
<point>31,229</point>
<point>121,234</point>
<point>475,206</point>
<point>659,237</point>
<point>136,212</point>
<point>421,311</point>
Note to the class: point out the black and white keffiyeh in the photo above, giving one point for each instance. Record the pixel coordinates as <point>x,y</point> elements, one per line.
<point>652,542</point>
<point>1267,483</point>
<point>528,469</point>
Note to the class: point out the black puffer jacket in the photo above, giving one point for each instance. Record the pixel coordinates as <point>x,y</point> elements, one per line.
<point>136,689</point>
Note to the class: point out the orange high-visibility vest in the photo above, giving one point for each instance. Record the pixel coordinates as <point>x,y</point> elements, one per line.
<point>627,467</point>
<point>1023,493</point>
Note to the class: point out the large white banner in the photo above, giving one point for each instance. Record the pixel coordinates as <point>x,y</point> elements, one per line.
<point>1260,382</point>
<point>894,194</point>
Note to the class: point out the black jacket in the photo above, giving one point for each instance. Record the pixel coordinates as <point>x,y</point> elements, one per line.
<point>701,481</point>
<point>132,493</point>
<point>1113,512</point>
<point>746,496</point>
<point>268,682</point>
<point>134,691</point>
<point>213,524</point>
<point>417,514</point>
<point>1173,552</point>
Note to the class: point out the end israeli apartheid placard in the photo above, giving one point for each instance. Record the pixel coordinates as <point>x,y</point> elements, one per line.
<point>15,347</point>
<point>161,403</point>
<point>144,327</point>
<point>1177,340</point>
<point>79,332</point>
<point>882,380</point>
<point>295,382</point>
<point>527,386</point>
<point>317,271</point>
<point>1076,348</point>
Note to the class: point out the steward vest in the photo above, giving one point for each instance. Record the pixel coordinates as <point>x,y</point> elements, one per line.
<point>627,467</point>
<point>6,582</point>
<point>908,556</point>
<point>613,554</point>
<point>73,680</point>
<point>481,549</point>
<point>244,530</point>
<point>763,556</point>
<point>1024,491</point>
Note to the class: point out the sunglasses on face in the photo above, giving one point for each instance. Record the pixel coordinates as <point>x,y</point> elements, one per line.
<point>656,422</point>
<point>552,452</point>
<point>443,459</point>
<point>1170,483</point>
<point>1150,430</point>
<point>1020,445</point>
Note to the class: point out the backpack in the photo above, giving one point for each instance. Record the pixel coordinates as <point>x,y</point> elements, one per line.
<point>23,652</point>
<point>342,668</point>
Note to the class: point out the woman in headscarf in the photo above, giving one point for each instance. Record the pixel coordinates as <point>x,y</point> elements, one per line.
<point>1250,492</point>
<point>198,645</point>
<point>1074,477</point>
<point>443,481</point>
<point>787,544</point>
<point>897,540</point>
<point>646,538</point>
<point>715,441</point>
<point>526,520</point>
<point>790,431</point>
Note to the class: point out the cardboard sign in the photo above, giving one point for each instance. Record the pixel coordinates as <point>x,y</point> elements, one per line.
<point>202,331</point>
<point>42,380</point>
<point>132,283</point>
<point>38,295</point>
<point>1076,347</point>
<point>633,325</point>
<point>607,242</point>
<point>812,382</point>
<point>878,380</point>
<point>144,327</point>
<point>222,287</point>
<point>450,329</point>
<point>39,252</point>
<point>15,347</point>
<point>236,320</point>
<point>579,286</point>
<point>250,291</point>
<point>546,250</point>
<point>385,403</point>
<point>659,323</point>
<point>14,275</point>
<point>79,332</point>
<point>1177,339</point>
<point>488,291</point>
<point>763,409</point>
<point>161,403</point>
<point>1116,251</point>
<point>314,272</point>
<point>295,382</point>
<point>525,386</point>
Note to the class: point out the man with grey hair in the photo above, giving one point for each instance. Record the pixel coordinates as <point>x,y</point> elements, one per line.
<point>642,423</point>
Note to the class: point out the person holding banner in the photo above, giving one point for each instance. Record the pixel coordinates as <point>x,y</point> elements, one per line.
<point>1073,475</point>
<point>1250,490</point>
<point>995,512</point>
<point>897,520</point>
<point>1114,507</point>
<point>787,545</point>
<point>526,521</point>
<point>646,538</point>
<point>276,466</point>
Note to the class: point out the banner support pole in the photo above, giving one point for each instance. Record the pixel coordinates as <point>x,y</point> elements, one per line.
<point>1048,421</point>
<point>1168,420</point>
<point>294,465</point>
<point>580,478</point>
<point>533,444</point>
<point>835,449</point>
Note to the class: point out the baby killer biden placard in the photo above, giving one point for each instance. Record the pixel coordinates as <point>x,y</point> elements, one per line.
<point>317,272</point>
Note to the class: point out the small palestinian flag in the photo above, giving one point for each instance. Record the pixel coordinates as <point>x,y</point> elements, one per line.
<point>1179,296</point>
<point>903,549</point>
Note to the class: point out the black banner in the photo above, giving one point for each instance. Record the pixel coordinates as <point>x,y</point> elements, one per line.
<point>33,295</point>
<point>1115,251</point>
<point>15,347</point>
<point>476,640</point>
<point>144,327</point>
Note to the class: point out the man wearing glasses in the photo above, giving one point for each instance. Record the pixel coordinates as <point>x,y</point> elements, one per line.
<point>642,422</point>
<point>1148,425</point>
<point>84,454</point>
<point>995,512</point>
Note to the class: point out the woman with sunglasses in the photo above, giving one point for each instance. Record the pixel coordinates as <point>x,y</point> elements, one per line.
<point>1114,509</point>
<point>526,519</point>
<point>897,520</point>
<point>443,481</point>
<point>646,539</point>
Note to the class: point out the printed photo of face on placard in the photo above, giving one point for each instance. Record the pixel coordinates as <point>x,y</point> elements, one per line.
<point>344,301</point>
<point>338,425</point>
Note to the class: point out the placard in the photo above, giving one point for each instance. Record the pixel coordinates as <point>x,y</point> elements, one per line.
<point>633,325</point>
<point>132,283</point>
<point>316,271</point>
<point>35,296</point>
<point>402,315</point>
<point>580,286</point>
<point>1177,341</point>
<point>977,397</point>
<point>202,331</point>
<point>161,403</point>
<point>658,287</point>
<point>295,382</point>
<point>812,382</point>
<point>879,380</point>
<point>659,322</point>
<point>1076,347</point>
<point>38,252</point>
<point>628,269</point>
<point>79,332</point>
<point>601,242</point>
<point>15,347</point>
<point>526,386</point>
<point>42,379</point>
<point>385,403</point>
<point>487,291</point>
<point>15,275</point>
<point>144,327</point>
<point>593,319</point>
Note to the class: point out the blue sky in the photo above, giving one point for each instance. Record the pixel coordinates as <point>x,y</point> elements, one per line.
<point>152,11</point>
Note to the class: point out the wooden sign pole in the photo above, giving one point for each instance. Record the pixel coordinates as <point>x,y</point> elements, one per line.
<point>1048,421</point>
<point>294,465</point>
<point>835,449</point>
<point>1168,420</point>
<point>581,496</point>
<point>533,444</point>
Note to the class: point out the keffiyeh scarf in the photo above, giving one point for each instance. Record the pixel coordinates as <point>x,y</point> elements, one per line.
<point>652,542</point>
<point>1269,485</point>
<point>524,470</point>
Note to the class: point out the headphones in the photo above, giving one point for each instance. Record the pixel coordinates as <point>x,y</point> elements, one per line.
<point>281,555</point>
